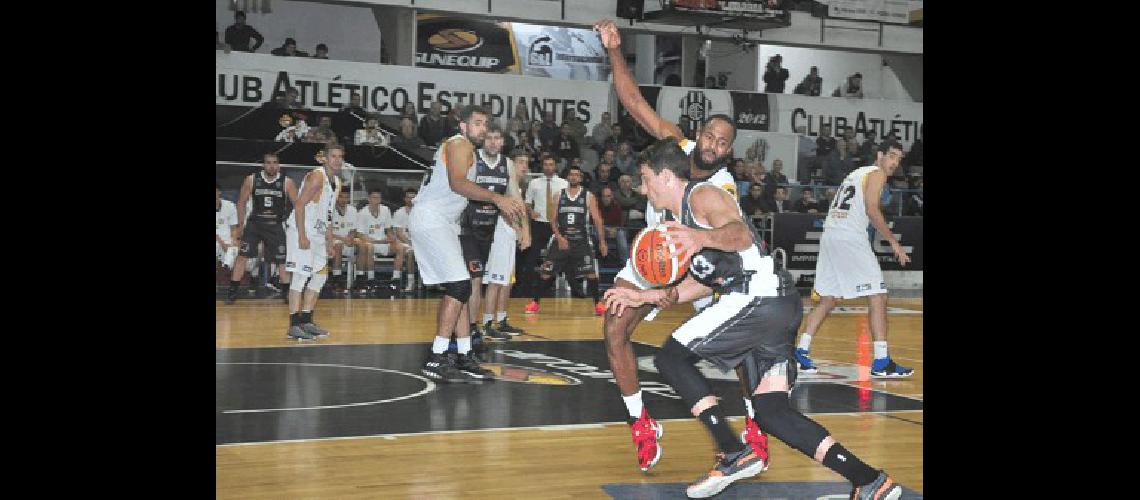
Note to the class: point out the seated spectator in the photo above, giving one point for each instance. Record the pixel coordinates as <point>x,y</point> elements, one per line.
<point>601,133</point>
<point>827,156</point>
<point>354,107</point>
<point>322,51</point>
<point>614,217</point>
<point>606,175</point>
<point>291,131</point>
<point>739,173</point>
<point>323,133</point>
<point>433,127</point>
<point>371,134</point>
<point>520,122</point>
<point>914,201</point>
<point>805,148</point>
<point>755,203</point>
<point>549,132</point>
<point>615,139</point>
<point>777,175</point>
<point>577,128</point>
<point>825,202</point>
<point>631,201</point>
<point>812,84</point>
<point>806,204</point>
<point>239,34</point>
<point>408,137</point>
<point>867,149</point>
<point>852,88</point>
<point>292,99</point>
<point>779,202</point>
<point>626,161</point>
<point>409,111</point>
<point>844,143</point>
<point>567,146</point>
<point>452,122</point>
<point>289,49</point>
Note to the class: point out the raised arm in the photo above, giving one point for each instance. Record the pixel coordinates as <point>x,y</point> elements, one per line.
<point>626,86</point>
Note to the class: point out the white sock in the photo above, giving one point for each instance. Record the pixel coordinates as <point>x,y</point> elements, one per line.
<point>487,318</point>
<point>440,345</point>
<point>395,275</point>
<point>500,316</point>
<point>880,349</point>
<point>748,406</point>
<point>371,275</point>
<point>805,342</point>
<point>633,404</point>
<point>463,344</point>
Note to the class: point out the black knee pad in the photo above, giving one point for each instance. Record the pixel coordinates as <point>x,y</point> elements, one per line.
<point>755,366</point>
<point>677,365</point>
<point>775,415</point>
<point>458,290</point>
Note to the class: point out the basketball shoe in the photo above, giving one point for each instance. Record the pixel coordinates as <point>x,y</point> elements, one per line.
<point>804,361</point>
<point>886,367</point>
<point>882,488</point>
<point>441,367</point>
<point>532,307</point>
<point>729,468</point>
<point>510,329</point>
<point>469,367</point>
<point>299,333</point>
<point>646,432</point>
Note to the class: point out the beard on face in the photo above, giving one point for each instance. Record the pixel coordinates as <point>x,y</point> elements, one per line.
<point>699,161</point>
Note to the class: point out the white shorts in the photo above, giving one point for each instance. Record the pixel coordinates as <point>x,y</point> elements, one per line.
<point>345,250</point>
<point>305,262</point>
<point>501,261</point>
<point>436,247</point>
<point>227,257</point>
<point>847,268</point>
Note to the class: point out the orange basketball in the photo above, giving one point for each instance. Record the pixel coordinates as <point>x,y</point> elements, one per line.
<point>655,259</point>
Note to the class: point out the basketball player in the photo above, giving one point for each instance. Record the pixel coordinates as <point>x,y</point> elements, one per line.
<point>268,190</point>
<point>344,236</point>
<point>847,267</point>
<point>751,324</point>
<point>400,232</point>
<point>434,228</point>
<point>374,223</point>
<point>492,172</point>
<point>225,229</point>
<point>570,250</point>
<point>308,238</point>
<point>500,269</point>
<point>713,149</point>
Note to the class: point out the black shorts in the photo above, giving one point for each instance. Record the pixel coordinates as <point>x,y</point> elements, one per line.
<point>578,259</point>
<point>737,327</point>
<point>273,235</point>
<point>476,249</point>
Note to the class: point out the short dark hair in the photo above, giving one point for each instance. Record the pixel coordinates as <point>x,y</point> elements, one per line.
<point>267,155</point>
<point>519,151</point>
<point>331,147</point>
<point>572,167</point>
<point>547,156</point>
<point>725,118</point>
<point>240,13</point>
<point>375,190</point>
<point>465,112</point>
<point>667,154</point>
<point>411,190</point>
<point>321,46</point>
<point>493,126</point>
<point>887,145</point>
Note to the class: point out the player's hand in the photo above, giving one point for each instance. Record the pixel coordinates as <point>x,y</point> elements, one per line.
<point>563,243</point>
<point>303,242</point>
<point>512,208</point>
<point>524,242</point>
<point>688,241</point>
<point>603,248</point>
<point>240,230</point>
<point>608,31</point>
<point>618,299</point>
<point>900,254</point>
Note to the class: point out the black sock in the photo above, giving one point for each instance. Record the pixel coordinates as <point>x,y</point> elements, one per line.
<point>849,466</point>
<point>294,319</point>
<point>234,284</point>
<point>726,440</point>
<point>306,316</point>
<point>592,286</point>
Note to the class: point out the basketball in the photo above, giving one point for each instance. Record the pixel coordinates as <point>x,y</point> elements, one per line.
<point>655,259</point>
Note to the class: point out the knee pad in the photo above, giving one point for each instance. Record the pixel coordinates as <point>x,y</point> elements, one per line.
<point>317,281</point>
<point>775,415</point>
<point>677,365</point>
<point>458,290</point>
<point>298,284</point>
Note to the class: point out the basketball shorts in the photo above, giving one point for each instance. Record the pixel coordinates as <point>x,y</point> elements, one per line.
<point>435,243</point>
<point>272,234</point>
<point>305,262</point>
<point>576,261</point>
<point>847,268</point>
<point>501,261</point>
<point>226,256</point>
<point>476,250</point>
<point>740,326</point>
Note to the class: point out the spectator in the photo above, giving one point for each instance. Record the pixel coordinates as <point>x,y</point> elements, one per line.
<point>614,218</point>
<point>812,83</point>
<point>806,204</point>
<point>914,156</point>
<point>218,44</point>
<point>755,203</point>
<point>867,150</point>
<point>354,107</point>
<point>739,173</point>
<point>239,34</point>
<point>775,76</point>
<point>626,161</point>
<point>615,139</point>
<point>289,49</point>
<point>606,175</point>
<point>853,87</point>
<point>519,123</point>
<point>371,135</point>
<point>577,128</point>
<point>631,201</point>
<point>608,156</point>
<point>777,175</point>
<point>532,145</point>
<point>292,99</point>
<point>408,137</point>
<point>845,142</point>
<point>913,202</point>
<point>323,133</point>
<point>322,51</point>
<point>452,122</point>
<point>292,129</point>
<point>601,133</point>
<point>409,111</point>
<point>779,203</point>
<point>805,149</point>
<point>827,155</point>
<point>549,133</point>
<point>567,147</point>
<point>433,127</point>
<point>825,202</point>
<point>710,82</point>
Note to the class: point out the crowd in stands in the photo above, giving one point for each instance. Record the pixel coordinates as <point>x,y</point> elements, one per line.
<point>244,38</point>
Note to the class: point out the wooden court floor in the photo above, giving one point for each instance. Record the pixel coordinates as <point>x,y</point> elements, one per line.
<point>545,462</point>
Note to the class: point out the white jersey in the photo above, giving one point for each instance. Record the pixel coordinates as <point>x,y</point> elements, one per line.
<point>400,218</point>
<point>224,218</point>
<point>721,178</point>
<point>763,282</point>
<point>847,216</point>
<point>319,210</point>
<point>343,224</point>
<point>436,196</point>
<point>374,225</point>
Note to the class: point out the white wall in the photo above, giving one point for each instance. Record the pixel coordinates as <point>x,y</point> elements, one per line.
<point>740,66</point>
<point>351,33</point>
<point>834,67</point>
